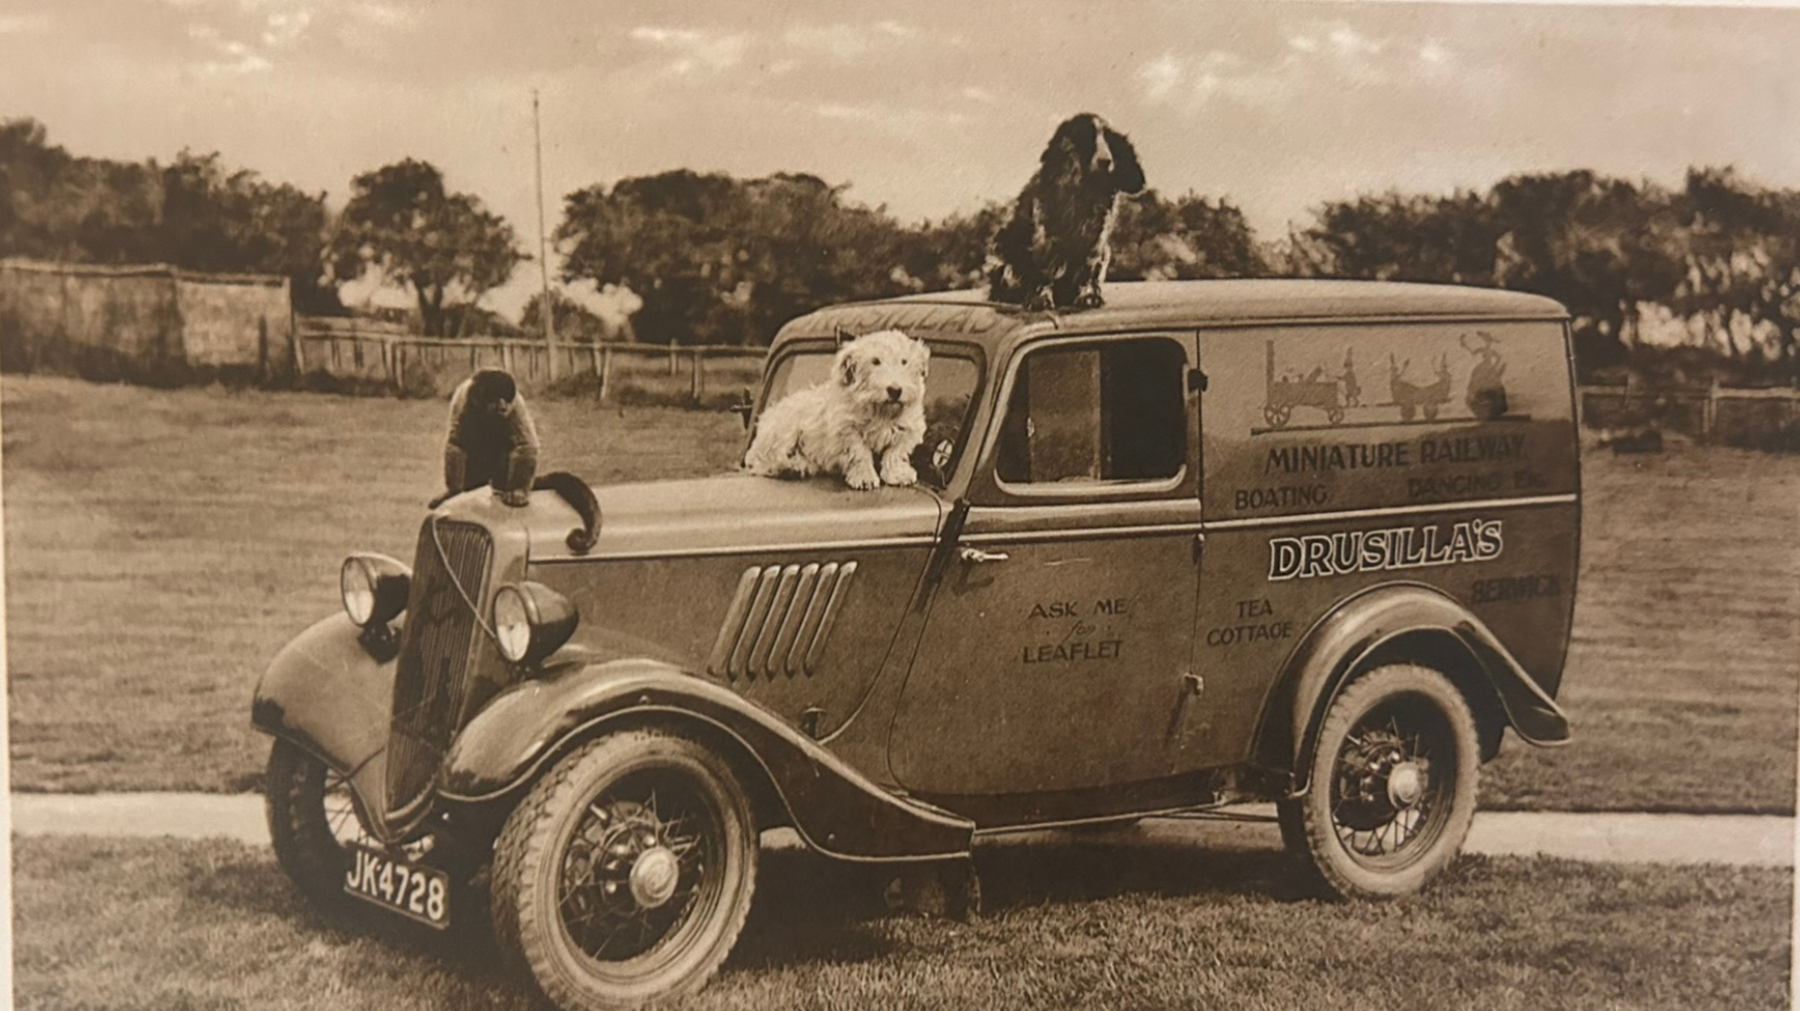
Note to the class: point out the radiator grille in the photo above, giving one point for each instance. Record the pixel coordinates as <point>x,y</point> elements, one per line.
<point>436,655</point>
<point>779,620</point>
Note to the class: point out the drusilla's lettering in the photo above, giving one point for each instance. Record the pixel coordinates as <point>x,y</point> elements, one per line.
<point>1345,552</point>
<point>1471,449</point>
<point>1073,652</point>
<point>1280,497</point>
<point>1268,631</point>
<point>1255,608</point>
<point>1110,606</point>
<point>1356,456</point>
<point>1495,591</point>
<point>1454,486</point>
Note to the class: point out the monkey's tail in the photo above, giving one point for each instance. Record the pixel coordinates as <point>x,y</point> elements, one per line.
<point>575,491</point>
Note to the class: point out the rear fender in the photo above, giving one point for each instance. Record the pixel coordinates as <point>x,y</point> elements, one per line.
<point>1399,622</point>
<point>836,809</point>
<point>327,693</point>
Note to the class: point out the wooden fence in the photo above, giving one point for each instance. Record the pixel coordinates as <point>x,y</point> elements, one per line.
<point>1712,413</point>
<point>390,354</point>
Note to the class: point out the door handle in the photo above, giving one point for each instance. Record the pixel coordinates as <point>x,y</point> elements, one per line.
<point>976,556</point>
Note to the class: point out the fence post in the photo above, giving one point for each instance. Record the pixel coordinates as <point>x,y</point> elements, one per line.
<point>1709,416</point>
<point>605,373</point>
<point>594,359</point>
<point>697,385</point>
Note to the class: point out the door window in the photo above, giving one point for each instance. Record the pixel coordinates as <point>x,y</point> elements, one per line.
<point>1096,414</point>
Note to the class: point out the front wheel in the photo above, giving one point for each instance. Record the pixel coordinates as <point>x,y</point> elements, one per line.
<point>625,874</point>
<point>312,818</point>
<point>1392,787</point>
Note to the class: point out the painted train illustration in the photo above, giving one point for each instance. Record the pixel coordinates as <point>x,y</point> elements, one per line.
<point>1335,395</point>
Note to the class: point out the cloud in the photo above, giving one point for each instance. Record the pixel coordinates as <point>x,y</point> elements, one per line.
<point>24,24</point>
<point>846,42</point>
<point>1320,55</point>
<point>1196,80</point>
<point>694,50</point>
<point>385,15</point>
<point>226,56</point>
<point>283,28</point>
<point>907,123</point>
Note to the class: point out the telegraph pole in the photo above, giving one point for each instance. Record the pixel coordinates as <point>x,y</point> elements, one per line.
<point>546,308</point>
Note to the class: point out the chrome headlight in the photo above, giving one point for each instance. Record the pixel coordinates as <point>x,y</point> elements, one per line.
<point>374,588</point>
<point>531,620</point>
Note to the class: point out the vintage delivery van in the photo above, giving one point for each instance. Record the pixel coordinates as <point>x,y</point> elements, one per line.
<point>1306,541</point>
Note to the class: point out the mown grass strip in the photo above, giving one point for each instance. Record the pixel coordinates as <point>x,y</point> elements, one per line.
<point>139,924</point>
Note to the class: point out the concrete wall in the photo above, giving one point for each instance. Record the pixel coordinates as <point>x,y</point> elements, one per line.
<point>236,323</point>
<point>145,324</point>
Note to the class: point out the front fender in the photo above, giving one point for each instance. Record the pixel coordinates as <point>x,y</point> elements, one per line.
<point>328,695</point>
<point>836,809</point>
<point>1357,630</point>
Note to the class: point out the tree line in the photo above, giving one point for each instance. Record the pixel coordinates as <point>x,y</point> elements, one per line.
<point>717,259</point>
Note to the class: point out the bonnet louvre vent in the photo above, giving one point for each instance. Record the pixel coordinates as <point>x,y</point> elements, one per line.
<point>779,620</point>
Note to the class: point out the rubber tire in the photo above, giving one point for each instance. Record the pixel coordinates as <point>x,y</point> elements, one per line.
<point>1307,823</point>
<point>305,847</point>
<point>527,859</point>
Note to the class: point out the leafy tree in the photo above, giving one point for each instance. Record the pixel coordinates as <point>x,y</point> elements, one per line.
<point>234,222</point>
<point>1598,245</point>
<point>1186,238</point>
<point>1399,237</point>
<point>1742,259</point>
<point>574,322</point>
<point>949,254</point>
<point>405,227</point>
<point>57,206</point>
<point>723,260</point>
<point>194,213</point>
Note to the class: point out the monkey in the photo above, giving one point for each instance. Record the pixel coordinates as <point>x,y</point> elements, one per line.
<point>492,441</point>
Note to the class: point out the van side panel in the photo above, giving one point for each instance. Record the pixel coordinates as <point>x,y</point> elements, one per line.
<point>1339,457</point>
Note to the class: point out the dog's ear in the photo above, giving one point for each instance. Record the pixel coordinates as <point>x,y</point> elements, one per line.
<point>846,365</point>
<point>924,357</point>
<point>1127,174</point>
<point>1072,143</point>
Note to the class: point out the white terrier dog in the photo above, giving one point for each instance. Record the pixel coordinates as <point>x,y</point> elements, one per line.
<point>863,422</point>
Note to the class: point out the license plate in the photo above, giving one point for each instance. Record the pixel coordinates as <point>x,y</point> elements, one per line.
<point>422,893</point>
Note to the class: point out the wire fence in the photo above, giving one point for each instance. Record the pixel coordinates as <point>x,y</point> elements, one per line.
<point>390,355</point>
<point>1714,413</point>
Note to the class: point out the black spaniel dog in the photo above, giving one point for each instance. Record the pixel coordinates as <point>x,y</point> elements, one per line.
<point>1054,250</point>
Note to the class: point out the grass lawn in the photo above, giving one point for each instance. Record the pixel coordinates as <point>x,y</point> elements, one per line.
<point>162,545</point>
<point>148,925</point>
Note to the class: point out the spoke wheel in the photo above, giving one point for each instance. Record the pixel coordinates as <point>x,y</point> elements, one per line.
<point>1392,789</point>
<point>626,873</point>
<point>312,818</point>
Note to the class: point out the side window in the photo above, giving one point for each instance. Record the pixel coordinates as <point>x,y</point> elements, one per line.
<point>1096,413</point>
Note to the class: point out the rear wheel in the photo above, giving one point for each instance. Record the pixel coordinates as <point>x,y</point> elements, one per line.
<point>626,873</point>
<point>1392,787</point>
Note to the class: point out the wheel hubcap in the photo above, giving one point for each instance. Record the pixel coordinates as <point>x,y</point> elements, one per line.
<point>641,858</point>
<point>654,875</point>
<point>1387,790</point>
<point>1405,783</point>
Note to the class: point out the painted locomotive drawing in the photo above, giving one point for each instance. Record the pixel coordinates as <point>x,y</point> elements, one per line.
<point>1315,390</point>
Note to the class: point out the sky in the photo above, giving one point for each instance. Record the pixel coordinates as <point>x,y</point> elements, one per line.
<point>927,108</point>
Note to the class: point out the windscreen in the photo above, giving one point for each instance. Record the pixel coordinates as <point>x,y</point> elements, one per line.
<point>949,392</point>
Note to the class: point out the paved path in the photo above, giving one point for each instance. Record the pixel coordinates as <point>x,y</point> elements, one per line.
<point>1754,840</point>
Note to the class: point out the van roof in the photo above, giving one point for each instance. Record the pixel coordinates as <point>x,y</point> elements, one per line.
<point>1150,304</point>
